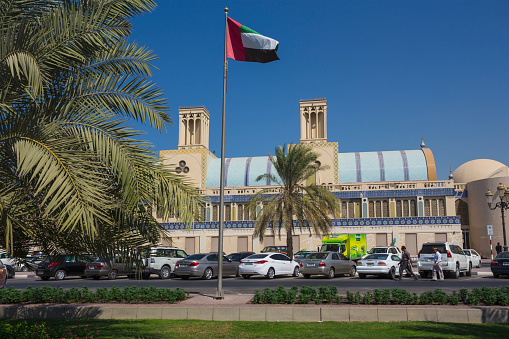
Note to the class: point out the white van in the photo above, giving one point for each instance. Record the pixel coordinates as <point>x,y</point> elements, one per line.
<point>161,261</point>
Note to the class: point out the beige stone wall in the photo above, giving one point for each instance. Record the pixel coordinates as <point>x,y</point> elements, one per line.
<point>480,215</point>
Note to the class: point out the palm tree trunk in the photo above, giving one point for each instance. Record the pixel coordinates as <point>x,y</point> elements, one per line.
<point>289,235</point>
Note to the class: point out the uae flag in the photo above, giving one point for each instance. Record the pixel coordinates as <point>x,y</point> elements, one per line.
<point>244,44</point>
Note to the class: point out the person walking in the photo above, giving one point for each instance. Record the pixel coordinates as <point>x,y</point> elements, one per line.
<point>498,248</point>
<point>405,264</point>
<point>437,266</point>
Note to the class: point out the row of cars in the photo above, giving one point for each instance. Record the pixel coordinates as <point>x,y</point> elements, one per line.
<point>272,261</point>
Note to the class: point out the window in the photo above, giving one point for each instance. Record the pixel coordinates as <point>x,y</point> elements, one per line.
<point>372,209</point>
<point>215,212</point>
<point>246,213</point>
<point>395,258</point>
<point>227,212</point>
<point>212,257</point>
<point>344,209</point>
<point>413,208</point>
<point>399,212</point>
<point>462,211</point>
<point>405,208</point>
<point>351,209</point>
<point>181,254</point>
<point>378,209</point>
<point>335,256</point>
<point>342,257</point>
<point>240,212</point>
<point>434,209</point>
<point>385,205</point>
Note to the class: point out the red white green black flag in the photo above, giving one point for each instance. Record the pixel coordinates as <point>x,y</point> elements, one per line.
<point>244,44</point>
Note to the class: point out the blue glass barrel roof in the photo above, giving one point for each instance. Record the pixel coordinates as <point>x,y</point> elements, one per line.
<point>241,172</point>
<point>382,166</point>
<point>352,167</point>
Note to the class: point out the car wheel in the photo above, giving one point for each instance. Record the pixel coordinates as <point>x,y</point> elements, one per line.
<point>96,277</point>
<point>165,272</point>
<point>362,276</point>
<point>353,270</point>
<point>392,273</point>
<point>60,275</point>
<point>331,274</point>
<point>112,275</point>
<point>456,273</point>
<point>246,276</point>
<point>271,273</point>
<point>496,275</point>
<point>423,274</point>
<point>296,271</point>
<point>184,277</point>
<point>145,276</point>
<point>207,275</point>
<point>83,277</point>
<point>44,278</point>
<point>307,276</point>
<point>24,269</point>
<point>469,272</point>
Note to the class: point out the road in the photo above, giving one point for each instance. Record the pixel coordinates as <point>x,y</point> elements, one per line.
<point>248,286</point>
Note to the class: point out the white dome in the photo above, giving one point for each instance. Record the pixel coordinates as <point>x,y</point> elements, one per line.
<point>480,169</point>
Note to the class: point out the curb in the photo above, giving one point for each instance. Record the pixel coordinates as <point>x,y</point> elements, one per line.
<point>266,313</point>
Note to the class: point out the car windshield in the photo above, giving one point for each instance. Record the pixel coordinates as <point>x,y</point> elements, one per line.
<point>195,257</point>
<point>377,250</point>
<point>234,256</point>
<point>428,248</point>
<point>257,256</point>
<point>303,255</point>
<point>317,256</point>
<point>503,255</point>
<point>377,256</point>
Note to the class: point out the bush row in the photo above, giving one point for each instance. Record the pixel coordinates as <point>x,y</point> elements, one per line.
<point>31,330</point>
<point>328,294</point>
<point>47,294</point>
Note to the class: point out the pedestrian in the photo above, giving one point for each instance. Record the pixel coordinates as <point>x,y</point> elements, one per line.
<point>405,264</point>
<point>437,266</point>
<point>498,248</point>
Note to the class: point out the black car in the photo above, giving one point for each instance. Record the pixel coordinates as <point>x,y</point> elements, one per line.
<point>63,265</point>
<point>239,256</point>
<point>500,265</point>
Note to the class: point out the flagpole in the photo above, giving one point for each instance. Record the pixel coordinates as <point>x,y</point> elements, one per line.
<point>219,291</point>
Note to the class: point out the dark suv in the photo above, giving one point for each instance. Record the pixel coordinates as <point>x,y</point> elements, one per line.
<point>62,265</point>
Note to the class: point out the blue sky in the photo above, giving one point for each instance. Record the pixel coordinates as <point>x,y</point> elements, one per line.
<point>391,71</point>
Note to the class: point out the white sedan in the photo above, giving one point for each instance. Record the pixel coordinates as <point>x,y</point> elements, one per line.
<point>475,258</point>
<point>269,265</point>
<point>381,264</point>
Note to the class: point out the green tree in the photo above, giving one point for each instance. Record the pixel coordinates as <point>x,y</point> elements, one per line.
<point>308,205</point>
<point>74,176</point>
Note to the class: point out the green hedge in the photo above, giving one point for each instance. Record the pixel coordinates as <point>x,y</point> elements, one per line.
<point>396,296</point>
<point>47,294</point>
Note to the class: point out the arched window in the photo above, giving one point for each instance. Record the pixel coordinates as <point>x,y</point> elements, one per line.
<point>227,212</point>
<point>215,213</point>
<point>399,212</point>
<point>413,208</point>
<point>344,210</point>
<point>441,207</point>
<point>427,208</point>
<point>378,209</point>
<point>462,211</point>
<point>405,208</point>
<point>240,212</point>
<point>372,209</point>
<point>385,205</point>
<point>434,209</point>
<point>351,209</point>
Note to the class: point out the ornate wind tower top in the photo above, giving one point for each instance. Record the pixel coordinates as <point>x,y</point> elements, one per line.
<point>313,120</point>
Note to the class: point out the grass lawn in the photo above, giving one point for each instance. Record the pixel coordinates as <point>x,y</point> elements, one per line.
<point>230,329</point>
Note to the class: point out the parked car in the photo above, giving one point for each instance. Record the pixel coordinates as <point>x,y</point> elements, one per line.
<point>475,257</point>
<point>62,265</point>
<point>102,268</point>
<point>3,276</point>
<point>454,261</point>
<point>161,261</point>
<point>299,256</point>
<point>380,264</point>
<point>385,249</point>
<point>275,249</point>
<point>269,265</point>
<point>239,256</point>
<point>328,264</point>
<point>204,265</point>
<point>10,270</point>
<point>500,265</point>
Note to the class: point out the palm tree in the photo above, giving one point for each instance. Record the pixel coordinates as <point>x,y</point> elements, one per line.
<point>310,205</point>
<point>73,175</point>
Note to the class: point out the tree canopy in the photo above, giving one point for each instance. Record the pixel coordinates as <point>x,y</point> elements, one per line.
<point>309,206</point>
<point>74,175</point>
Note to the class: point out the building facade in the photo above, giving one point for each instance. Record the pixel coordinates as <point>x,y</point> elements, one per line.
<point>393,197</point>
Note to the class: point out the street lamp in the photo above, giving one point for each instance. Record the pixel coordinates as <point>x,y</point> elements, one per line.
<point>503,194</point>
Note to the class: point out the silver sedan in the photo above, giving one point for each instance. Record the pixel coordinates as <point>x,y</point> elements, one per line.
<point>204,265</point>
<point>328,264</point>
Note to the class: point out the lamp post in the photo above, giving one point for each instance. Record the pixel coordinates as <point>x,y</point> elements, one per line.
<point>503,194</point>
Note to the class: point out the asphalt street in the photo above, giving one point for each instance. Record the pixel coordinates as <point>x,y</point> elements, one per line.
<point>234,285</point>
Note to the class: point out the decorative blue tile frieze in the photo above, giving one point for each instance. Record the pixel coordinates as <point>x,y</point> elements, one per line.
<point>411,221</point>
